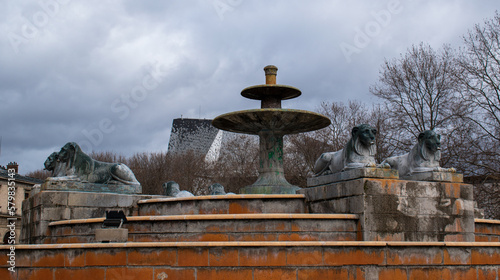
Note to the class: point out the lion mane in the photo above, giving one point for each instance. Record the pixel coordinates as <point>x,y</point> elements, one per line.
<point>359,152</point>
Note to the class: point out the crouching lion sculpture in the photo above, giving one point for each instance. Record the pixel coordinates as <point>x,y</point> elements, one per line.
<point>423,157</point>
<point>72,162</point>
<point>171,188</point>
<point>217,189</point>
<point>358,153</point>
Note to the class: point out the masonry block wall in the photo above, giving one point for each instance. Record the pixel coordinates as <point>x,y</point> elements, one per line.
<point>400,210</point>
<point>487,230</point>
<point>255,261</point>
<point>47,206</point>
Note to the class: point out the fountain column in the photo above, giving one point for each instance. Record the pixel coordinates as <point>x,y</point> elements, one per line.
<point>271,173</point>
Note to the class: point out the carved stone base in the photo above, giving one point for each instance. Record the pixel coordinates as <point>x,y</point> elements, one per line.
<point>75,184</point>
<point>369,172</point>
<point>435,177</point>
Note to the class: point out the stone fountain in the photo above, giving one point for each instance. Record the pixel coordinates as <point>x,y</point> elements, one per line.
<point>271,123</point>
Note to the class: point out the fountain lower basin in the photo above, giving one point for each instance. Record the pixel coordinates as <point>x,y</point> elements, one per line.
<point>282,121</point>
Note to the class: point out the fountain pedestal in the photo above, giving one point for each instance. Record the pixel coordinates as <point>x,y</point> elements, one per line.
<point>271,123</point>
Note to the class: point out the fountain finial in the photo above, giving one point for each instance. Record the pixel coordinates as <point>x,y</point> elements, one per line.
<point>271,72</point>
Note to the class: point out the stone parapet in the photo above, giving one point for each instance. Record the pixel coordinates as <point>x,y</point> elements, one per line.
<point>255,260</point>
<point>224,204</point>
<point>219,227</point>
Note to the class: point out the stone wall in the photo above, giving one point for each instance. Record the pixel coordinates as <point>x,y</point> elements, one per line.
<point>400,210</point>
<point>255,261</point>
<point>220,227</point>
<point>487,230</point>
<point>48,206</point>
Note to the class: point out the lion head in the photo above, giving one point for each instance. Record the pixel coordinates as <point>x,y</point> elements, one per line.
<point>171,188</point>
<point>216,189</point>
<point>429,144</point>
<point>50,162</point>
<point>363,137</point>
<point>75,160</point>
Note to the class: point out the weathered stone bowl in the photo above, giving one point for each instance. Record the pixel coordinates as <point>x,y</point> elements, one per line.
<point>260,92</point>
<point>282,121</point>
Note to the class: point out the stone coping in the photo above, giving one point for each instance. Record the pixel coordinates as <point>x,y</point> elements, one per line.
<point>352,174</point>
<point>435,176</point>
<point>248,244</point>
<point>487,221</point>
<point>75,184</point>
<point>227,196</point>
<point>214,217</point>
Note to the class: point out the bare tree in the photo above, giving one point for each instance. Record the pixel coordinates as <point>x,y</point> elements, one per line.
<point>479,78</point>
<point>418,90</point>
<point>151,170</point>
<point>420,93</point>
<point>237,164</point>
<point>41,174</point>
<point>107,156</point>
<point>378,119</point>
<point>488,198</point>
<point>302,150</point>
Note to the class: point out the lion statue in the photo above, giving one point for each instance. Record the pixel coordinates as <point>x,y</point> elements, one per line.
<point>423,157</point>
<point>217,189</point>
<point>171,188</point>
<point>358,153</point>
<point>71,161</point>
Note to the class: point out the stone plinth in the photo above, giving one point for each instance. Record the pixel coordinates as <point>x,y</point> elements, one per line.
<point>111,235</point>
<point>48,206</point>
<point>75,184</point>
<point>436,177</point>
<point>384,173</point>
<point>400,210</point>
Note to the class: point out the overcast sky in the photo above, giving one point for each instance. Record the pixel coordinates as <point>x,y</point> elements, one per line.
<point>112,75</point>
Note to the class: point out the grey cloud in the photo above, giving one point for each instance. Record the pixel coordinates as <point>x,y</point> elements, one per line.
<point>89,57</point>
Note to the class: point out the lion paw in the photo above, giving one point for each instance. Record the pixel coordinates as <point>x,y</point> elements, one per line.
<point>384,165</point>
<point>370,164</point>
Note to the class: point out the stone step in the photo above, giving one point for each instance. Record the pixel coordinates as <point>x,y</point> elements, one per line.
<point>254,260</point>
<point>220,227</point>
<point>223,204</point>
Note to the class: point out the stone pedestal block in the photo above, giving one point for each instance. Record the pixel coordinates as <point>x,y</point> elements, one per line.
<point>48,206</point>
<point>383,173</point>
<point>436,177</point>
<point>75,184</point>
<point>400,210</point>
<point>111,235</point>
